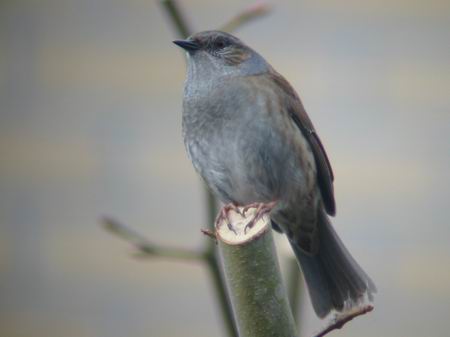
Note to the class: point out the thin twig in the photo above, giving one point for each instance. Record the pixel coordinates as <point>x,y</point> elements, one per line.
<point>220,288</point>
<point>294,287</point>
<point>339,322</point>
<point>209,233</point>
<point>214,269</point>
<point>176,17</point>
<point>256,10</point>
<point>145,247</point>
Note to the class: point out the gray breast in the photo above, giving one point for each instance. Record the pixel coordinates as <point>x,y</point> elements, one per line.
<point>237,145</point>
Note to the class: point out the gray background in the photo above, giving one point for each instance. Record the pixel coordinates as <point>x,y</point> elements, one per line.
<point>90,104</point>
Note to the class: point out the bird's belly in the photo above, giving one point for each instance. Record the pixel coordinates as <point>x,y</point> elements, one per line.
<point>255,165</point>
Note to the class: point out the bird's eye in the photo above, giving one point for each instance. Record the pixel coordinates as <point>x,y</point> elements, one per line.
<point>220,43</point>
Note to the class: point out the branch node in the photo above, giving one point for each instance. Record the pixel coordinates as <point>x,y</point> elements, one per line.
<point>209,233</point>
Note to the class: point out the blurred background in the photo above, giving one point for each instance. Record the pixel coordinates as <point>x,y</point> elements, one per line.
<point>90,114</point>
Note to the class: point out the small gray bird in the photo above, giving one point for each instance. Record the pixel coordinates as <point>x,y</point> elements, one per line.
<point>249,137</point>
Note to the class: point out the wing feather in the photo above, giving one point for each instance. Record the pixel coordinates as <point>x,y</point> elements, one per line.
<point>297,112</point>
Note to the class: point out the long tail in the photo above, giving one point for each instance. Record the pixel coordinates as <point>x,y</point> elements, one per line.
<point>334,278</point>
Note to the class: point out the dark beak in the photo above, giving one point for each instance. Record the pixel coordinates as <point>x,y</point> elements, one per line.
<point>187,45</point>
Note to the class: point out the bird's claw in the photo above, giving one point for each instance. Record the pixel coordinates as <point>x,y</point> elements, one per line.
<point>261,210</point>
<point>231,228</point>
<point>223,215</point>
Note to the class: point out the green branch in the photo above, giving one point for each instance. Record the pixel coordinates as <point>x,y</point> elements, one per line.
<point>340,320</point>
<point>257,293</point>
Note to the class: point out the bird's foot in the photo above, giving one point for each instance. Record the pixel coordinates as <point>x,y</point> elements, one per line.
<point>224,216</point>
<point>261,210</point>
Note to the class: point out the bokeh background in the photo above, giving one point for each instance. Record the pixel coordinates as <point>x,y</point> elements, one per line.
<point>90,109</point>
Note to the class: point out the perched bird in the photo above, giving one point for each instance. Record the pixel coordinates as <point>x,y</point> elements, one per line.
<point>249,137</point>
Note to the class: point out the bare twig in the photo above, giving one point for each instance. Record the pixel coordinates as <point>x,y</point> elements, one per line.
<point>294,286</point>
<point>255,11</point>
<point>176,17</point>
<point>208,256</point>
<point>145,247</point>
<point>211,207</point>
<point>220,289</point>
<point>209,233</point>
<point>341,320</point>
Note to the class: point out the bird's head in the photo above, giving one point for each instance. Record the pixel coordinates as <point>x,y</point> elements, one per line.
<point>217,53</point>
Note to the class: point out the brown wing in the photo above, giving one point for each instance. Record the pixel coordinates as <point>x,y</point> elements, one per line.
<point>325,175</point>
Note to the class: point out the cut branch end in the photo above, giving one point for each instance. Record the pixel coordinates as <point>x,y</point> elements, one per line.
<point>238,228</point>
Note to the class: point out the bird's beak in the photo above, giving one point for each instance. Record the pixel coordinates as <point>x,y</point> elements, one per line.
<point>187,45</point>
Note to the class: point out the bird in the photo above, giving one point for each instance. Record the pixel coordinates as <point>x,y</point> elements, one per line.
<point>249,137</point>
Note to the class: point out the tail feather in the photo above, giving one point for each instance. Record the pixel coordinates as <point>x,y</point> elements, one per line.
<point>334,279</point>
